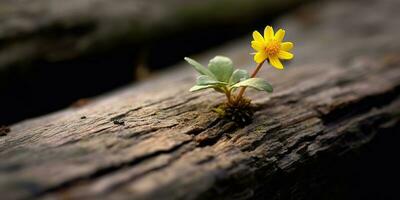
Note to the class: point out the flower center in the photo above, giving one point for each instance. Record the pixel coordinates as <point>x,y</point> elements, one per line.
<point>272,48</point>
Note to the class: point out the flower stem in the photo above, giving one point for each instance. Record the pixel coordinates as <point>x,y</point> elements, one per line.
<point>228,95</point>
<point>242,89</point>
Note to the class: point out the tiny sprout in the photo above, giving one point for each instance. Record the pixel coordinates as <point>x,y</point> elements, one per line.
<point>221,76</point>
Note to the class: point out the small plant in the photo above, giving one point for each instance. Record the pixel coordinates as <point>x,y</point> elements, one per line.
<point>221,76</point>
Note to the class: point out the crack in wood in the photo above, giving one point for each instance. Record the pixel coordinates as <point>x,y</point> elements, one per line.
<point>360,106</point>
<point>108,170</point>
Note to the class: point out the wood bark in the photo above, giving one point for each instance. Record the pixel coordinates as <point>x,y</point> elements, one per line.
<point>155,140</point>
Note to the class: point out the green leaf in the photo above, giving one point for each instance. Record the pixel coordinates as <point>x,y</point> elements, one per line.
<point>206,80</point>
<point>239,75</point>
<point>199,67</point>
<point>221,67</point>
<point>200,87</point>
<point>256,83</point>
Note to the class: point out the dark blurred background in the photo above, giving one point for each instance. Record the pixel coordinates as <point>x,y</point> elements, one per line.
<point>55,53</point>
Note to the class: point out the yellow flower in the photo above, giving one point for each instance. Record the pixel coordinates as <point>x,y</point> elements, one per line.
<point>271,47</point>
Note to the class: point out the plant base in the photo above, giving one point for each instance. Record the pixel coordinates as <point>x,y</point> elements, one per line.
<point>240,113</point>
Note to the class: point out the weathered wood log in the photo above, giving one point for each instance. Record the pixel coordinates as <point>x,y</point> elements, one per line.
<point>155,140</point>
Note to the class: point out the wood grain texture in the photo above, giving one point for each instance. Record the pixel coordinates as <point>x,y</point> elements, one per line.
<point>155,140</point>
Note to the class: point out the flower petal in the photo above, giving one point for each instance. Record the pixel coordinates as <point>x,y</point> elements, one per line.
<point>258,46</point>
<point>285,55</point>
<point>260,57</point>
<point>258,37</point>
<point>286,46</point>
<point>268,33</point>
<point>280,35</point>
<point>274,61</point>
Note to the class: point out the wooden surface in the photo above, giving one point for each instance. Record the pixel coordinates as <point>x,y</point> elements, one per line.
<point>155,140</point>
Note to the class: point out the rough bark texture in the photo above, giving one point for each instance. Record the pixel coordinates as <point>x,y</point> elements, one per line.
<point>155,140</point>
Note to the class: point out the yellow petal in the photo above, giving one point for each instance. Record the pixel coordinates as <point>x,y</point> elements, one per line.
<point>258,46</point>
<point>286,46</point>
<point>280,35</point>
<point>258,37</point>
<point>285,55</point>
<point>260,57</point>
<point>274,61</point>
<point>268,33</point>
